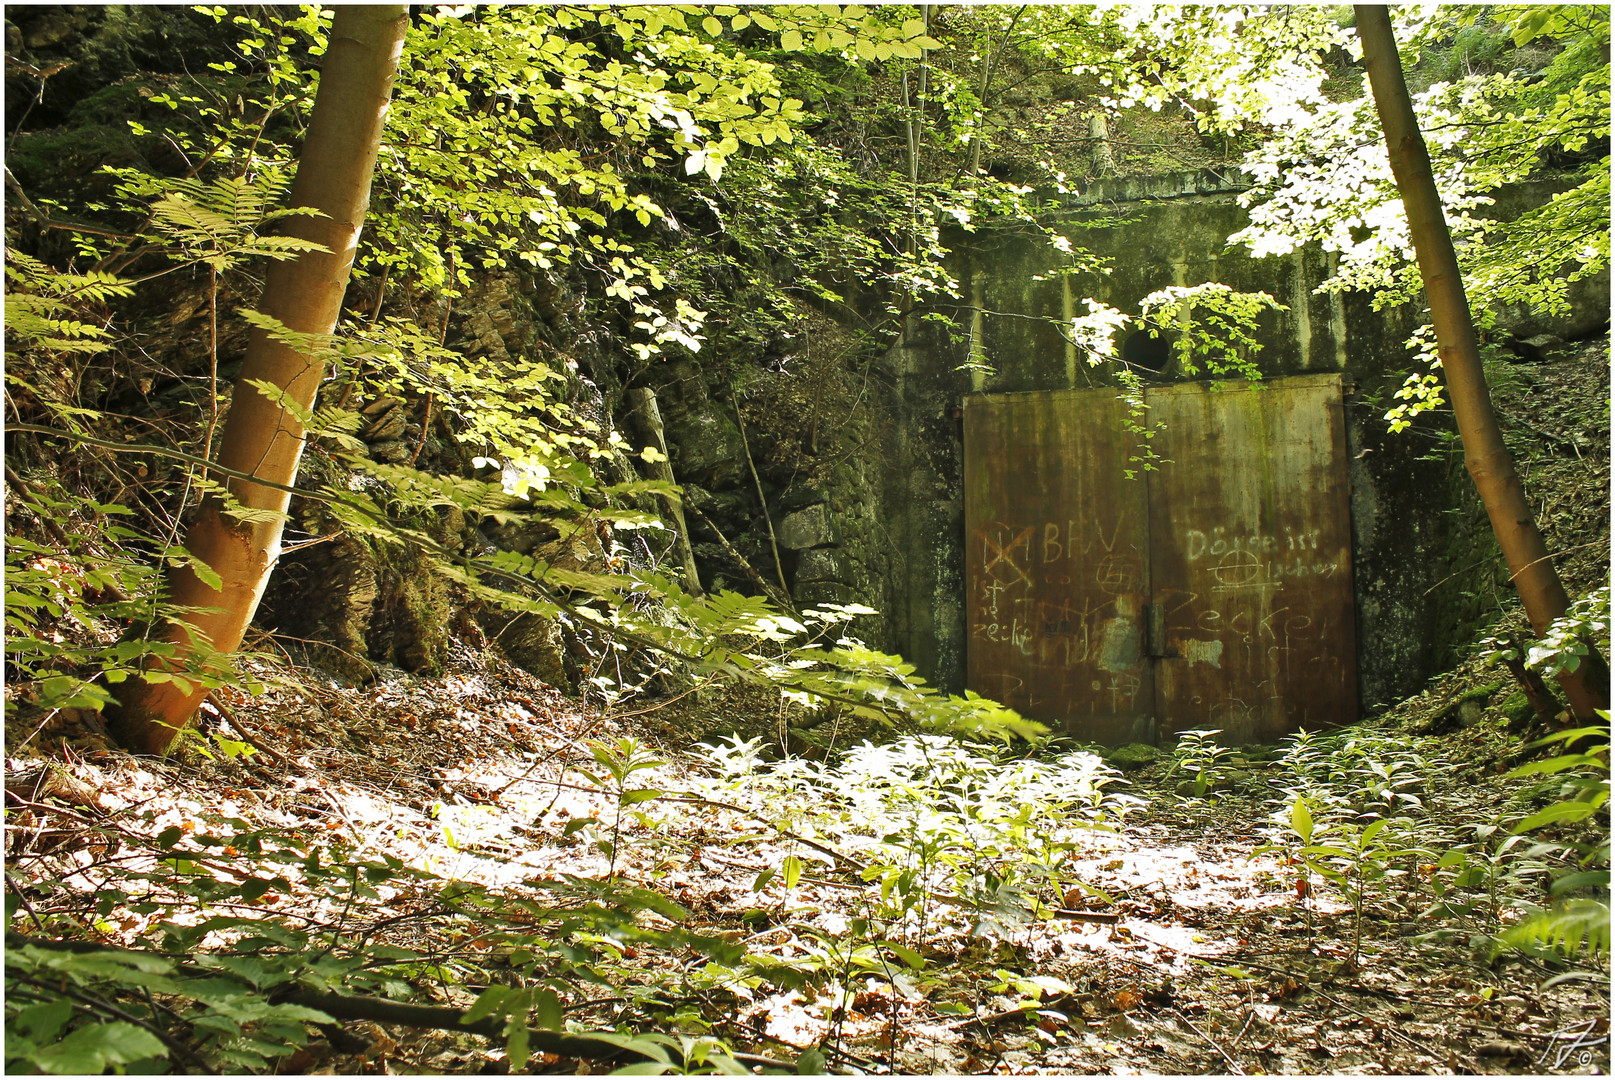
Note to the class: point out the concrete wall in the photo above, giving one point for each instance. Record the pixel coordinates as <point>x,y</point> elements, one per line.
<point>1174,233</point>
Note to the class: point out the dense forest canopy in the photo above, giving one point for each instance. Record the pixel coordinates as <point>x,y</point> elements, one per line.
<point>200,253</point>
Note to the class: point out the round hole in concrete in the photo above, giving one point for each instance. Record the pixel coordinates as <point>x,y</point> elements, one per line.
<point>1140,350</point>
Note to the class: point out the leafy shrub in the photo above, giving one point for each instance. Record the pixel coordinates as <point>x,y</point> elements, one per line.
<point>1200,755</point>
<point>933,813</point>
<point>1573,921</point>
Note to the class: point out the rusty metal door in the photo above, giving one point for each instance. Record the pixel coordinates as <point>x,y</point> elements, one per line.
<point>1214,591</point>
<point>1056,563</point>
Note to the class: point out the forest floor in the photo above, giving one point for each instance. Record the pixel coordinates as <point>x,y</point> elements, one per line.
<point>1210,958</point>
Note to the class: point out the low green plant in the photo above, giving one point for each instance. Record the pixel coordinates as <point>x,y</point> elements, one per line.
<point>1572,922</point>
<point>617,762</point>
<point>1345,810</point>
<point>91,1011</point>
<point>1305,768</point>
<point>933,813</point>
<point>225,977</point>
<point>1568,640</point>
<point>1203,758</point>
<point>1380,773</point>
<point>1356,858</point>
<point>1581,634</point>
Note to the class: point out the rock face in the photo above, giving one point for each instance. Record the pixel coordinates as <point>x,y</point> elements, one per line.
<point>703,440</point>
<point>357,604</point>
<point>351,606</point>
<point>536,644</point>
<point>818,565</point>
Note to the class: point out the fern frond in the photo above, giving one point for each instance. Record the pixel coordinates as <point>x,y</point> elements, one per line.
<point>278,247</point>
<point>294,211</point>
<point>313,345</point>
<point>281,398</point>
<point>96,286</point>
<point>1568,927</point>
<point>333,417</point>
<point>189,223</point>
<point>337,424</point>
<point>233,506</point>
<point>473,496</point>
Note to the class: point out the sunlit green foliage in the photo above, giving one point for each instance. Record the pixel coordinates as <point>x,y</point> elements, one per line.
<point>1573,921</point>
<point>1325,178</point>
<point>931,814</point>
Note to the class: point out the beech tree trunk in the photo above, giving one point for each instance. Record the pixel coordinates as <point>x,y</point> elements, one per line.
<point>261,437</point>
<point>650,414</point>
<point>1487,458</point>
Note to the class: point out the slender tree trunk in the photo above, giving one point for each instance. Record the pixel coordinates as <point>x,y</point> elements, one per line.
<point>987,66</point>
<point>1101,161</point>
<point>762,496</point>
<point>644,399</point>
<point>1486,456</point>
<point>261,437</point>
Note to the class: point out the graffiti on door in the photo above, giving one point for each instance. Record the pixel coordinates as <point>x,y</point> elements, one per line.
<point>1214,591</point>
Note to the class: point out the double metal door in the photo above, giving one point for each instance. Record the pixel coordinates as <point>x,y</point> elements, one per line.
<point>1212,590</point>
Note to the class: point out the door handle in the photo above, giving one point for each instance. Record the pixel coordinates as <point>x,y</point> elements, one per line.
<point>1155,645</point>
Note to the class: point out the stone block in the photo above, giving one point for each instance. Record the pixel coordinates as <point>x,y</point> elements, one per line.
<point>391,452</point>
<point>818,564</point>
<point>801,494</point>
<point>1132,756</point>
<point>823,592</point>
<point>807,528</point>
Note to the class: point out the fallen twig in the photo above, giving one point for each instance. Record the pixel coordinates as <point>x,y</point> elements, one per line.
<point>16,890</point>
<point>1009,1014</point>
<point>256,742</point>
<point>1383,1027</point>
<point>782,599</point>
<point>449,1018</point>
<point>1232,1064</point>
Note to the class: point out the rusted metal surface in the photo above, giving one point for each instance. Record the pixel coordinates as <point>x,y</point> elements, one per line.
<point>1213,592</point>
<point>1250,548</point>
<point>1056,568</point>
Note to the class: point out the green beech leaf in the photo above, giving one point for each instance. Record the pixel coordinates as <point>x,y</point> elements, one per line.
<point>1301,821</point>
<point>905,954</point>
<point>488,1002</point>
<point>547,1010</point>
<point>91,1050</point>
<point>516,1046</point>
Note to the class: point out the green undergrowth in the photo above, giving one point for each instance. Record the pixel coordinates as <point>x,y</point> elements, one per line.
<point>241,943</point>
<point>1380,816</point>
<point>1375,817</point>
